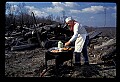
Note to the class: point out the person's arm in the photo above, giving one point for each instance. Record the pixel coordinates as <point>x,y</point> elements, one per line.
<point>75,35</point>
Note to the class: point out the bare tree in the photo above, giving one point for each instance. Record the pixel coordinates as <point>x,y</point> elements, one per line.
<point>22,11</point>
<point>9,14</point>
<point>49,19</point>
<point>58,19</point>
<point>63,12</point>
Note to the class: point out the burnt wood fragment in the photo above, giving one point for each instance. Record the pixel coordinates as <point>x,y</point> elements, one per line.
<point>21,47</point>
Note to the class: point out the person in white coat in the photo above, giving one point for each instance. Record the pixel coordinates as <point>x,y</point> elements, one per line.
<point>81,39</point>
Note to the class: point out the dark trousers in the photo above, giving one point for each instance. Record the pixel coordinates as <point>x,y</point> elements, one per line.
<point>84,51</point>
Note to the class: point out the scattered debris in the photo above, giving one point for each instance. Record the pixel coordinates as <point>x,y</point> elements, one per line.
<point>31,63</point>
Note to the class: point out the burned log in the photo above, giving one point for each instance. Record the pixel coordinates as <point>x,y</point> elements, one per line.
<point>94,34</point>
<point>109,57</point>
<point>108,43</point>
<point>21,47</point>
<point>16,34</point>
<point>8,38</point>
<point>32,40</point>
<point>36,30</point>
<point>51,43</point>
<point>111,54</point>
<point>27,35</point>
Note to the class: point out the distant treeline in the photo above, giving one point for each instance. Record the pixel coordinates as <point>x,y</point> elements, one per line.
<point>20,16</point>
<point>25,19</point>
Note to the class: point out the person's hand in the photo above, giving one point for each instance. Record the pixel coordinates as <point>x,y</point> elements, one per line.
<point>67,43</point>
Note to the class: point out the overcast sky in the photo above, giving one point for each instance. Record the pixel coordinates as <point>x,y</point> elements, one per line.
<point>88,13</point>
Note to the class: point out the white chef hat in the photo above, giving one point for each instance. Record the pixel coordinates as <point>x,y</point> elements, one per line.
<point>68,19</point>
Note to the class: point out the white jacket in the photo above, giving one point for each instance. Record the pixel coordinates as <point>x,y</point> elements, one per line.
<point>79,37</point>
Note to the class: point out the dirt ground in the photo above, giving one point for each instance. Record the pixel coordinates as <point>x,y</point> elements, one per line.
<point>31,63</point>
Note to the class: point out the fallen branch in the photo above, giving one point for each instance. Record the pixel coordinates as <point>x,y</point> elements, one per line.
<point>93,34</point>
<point>21,47</point>
<point>111,54</point>
<point>104,44</point>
